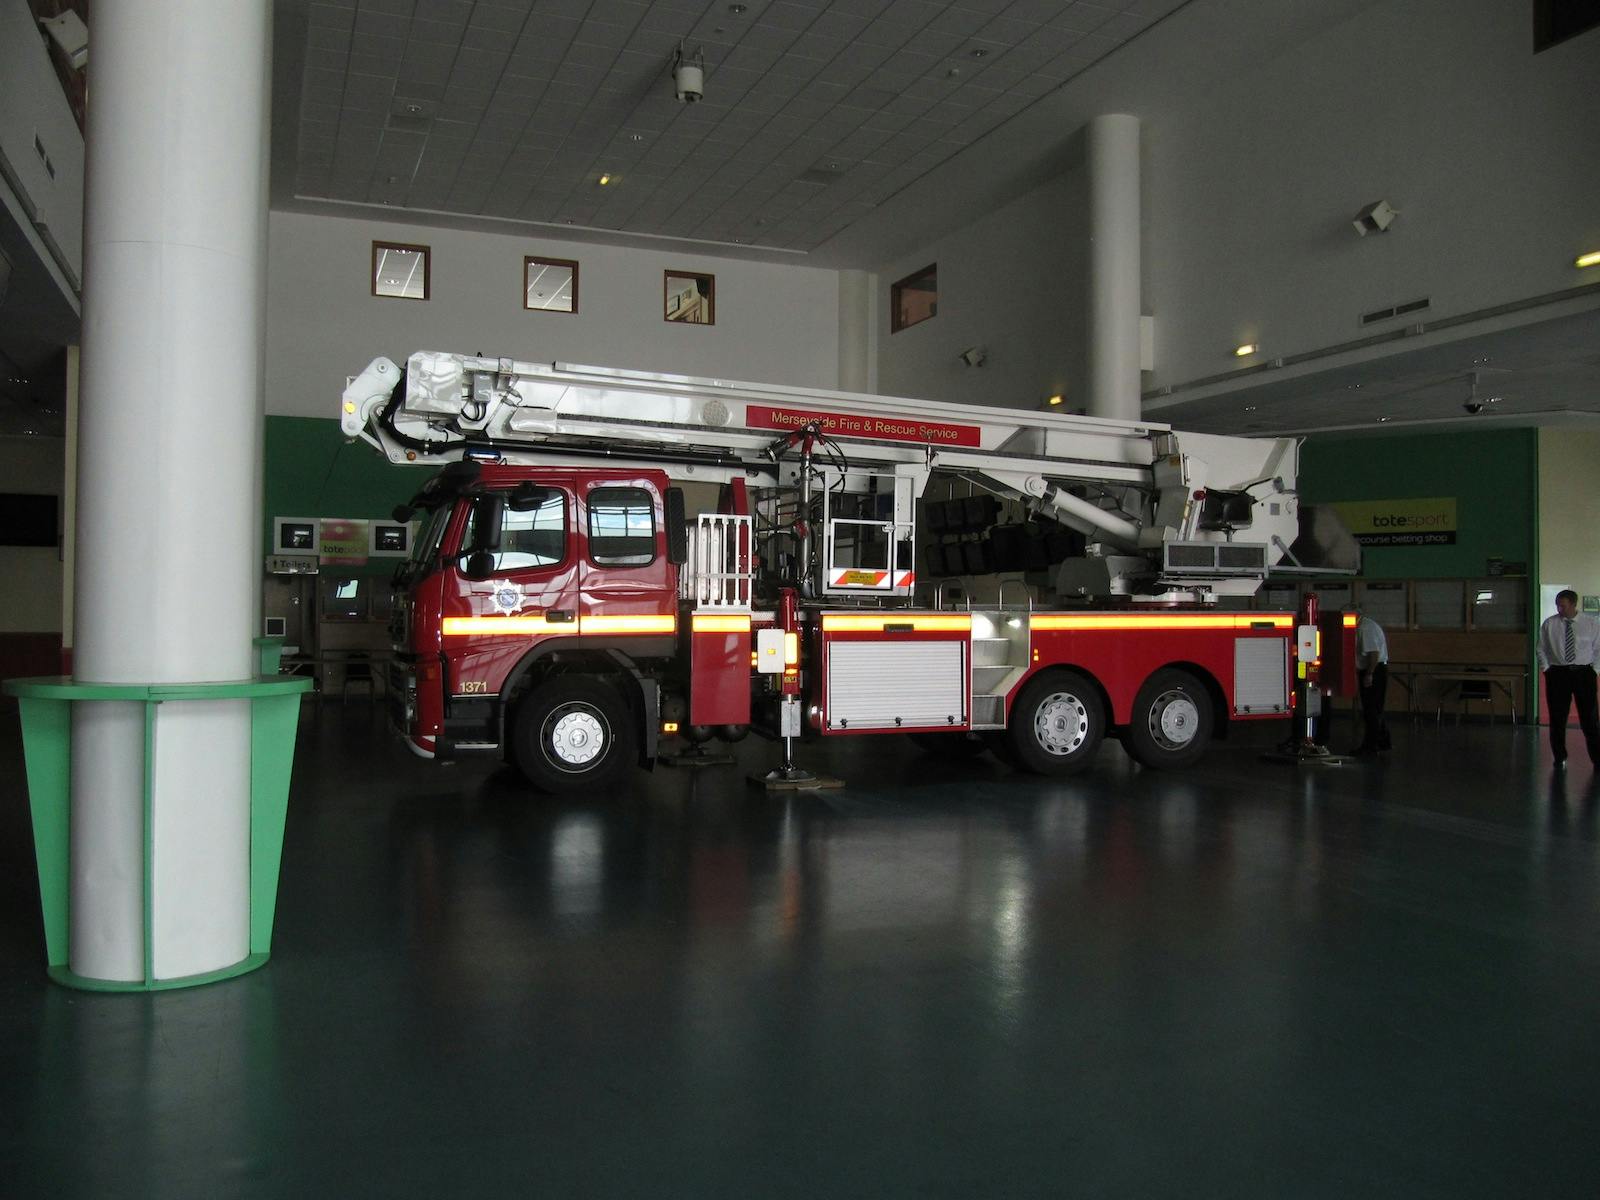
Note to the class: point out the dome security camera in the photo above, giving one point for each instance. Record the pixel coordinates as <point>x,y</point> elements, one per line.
<point>1473,407</point>
<point>689,77</point>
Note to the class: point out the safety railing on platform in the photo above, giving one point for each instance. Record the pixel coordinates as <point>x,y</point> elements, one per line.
<point>719,573</point>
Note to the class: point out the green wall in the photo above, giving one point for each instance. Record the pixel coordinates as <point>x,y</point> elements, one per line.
<point>311,471</point>
<point>1492,475</point>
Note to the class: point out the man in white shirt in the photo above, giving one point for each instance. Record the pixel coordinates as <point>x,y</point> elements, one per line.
<point>1569,646</point>
<point>1372,660</point>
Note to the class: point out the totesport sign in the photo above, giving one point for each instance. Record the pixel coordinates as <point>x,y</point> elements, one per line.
<point>1427,522</point>
<point>886,429</point>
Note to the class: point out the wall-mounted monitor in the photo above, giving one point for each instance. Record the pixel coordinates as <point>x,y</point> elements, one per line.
<point>344,597</point>
<point>388,539</point>
<point>276,627</point>
<point>296,535</point>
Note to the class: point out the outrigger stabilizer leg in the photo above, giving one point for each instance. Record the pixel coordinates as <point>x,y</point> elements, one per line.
<point>1303,748</point>
<point>788,777</point>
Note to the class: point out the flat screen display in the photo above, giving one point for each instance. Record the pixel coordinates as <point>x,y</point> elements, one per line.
<point>391,537</point>
<point>297,535</point>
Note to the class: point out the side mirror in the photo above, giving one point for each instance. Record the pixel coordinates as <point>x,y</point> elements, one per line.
<point>677,528</point>
<point>479,555</point>
<point>403,513</point>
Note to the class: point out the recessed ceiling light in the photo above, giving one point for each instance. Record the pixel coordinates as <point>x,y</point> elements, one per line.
<point>636,137</point>
<point>1383,419</point>
<point>604,180</point>
<point>738,9</point>
<point>1249,408</point>
<point>1591,259</point>
<point>979,52</point>
<point>1246,350</point>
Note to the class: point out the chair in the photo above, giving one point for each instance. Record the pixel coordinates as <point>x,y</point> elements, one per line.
<point>358,669</point>
<point>1470,691</point>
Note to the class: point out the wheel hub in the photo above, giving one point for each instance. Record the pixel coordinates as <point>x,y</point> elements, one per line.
<point>1061,723</point>
<point>1174,720</point>
<point>575,737</point>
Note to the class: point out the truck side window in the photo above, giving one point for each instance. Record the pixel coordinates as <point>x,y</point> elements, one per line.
<point>622,527</point>
<point>536,536</point>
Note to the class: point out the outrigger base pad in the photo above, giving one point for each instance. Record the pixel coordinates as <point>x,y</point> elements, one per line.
<point>1308,754</point>
<point>793,779</point>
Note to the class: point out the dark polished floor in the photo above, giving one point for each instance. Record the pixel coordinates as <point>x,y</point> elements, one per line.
<point>1248,980</point>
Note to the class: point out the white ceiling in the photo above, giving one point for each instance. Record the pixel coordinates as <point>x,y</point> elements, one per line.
<point>815,112</point>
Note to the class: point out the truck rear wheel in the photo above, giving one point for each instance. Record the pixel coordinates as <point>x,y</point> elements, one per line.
<point>1057,724</point>
<point>1172,721</point>
<point>573,733</point>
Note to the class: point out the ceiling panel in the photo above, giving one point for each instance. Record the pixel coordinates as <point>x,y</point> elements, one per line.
<point>511,108</point>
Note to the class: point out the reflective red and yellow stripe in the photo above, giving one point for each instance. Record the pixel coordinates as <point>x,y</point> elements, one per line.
<point>519,624</point>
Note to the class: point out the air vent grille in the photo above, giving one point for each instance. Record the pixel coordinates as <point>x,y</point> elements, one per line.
<point>1398,310</point>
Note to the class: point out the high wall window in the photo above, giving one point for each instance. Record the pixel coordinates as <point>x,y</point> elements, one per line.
<point>549,285</point>
<point>399,271</point>
<point>691,298</point>
<point>914,299</point>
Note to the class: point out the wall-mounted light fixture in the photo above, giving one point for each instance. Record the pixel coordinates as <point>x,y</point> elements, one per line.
<point>1055,401</point>
<point>1246,350</point>
<point>1375,218</point>
<point>1591,259</point>
<point>974,356</point>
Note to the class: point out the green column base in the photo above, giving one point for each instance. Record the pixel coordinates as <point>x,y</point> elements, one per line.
<point>84,984</point>
<point>46,710</point>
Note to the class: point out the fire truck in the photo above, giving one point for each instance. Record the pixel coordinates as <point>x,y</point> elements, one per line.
<point>563,608</point>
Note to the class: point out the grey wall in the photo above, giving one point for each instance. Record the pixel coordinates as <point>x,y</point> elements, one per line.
<point>774,323</point>
<point>1011,283</point>
<point>1491,154</point>
<point>1253,166</point>
<point>33,110</point>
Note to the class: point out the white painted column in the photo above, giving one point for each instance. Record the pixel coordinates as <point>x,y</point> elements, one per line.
<point>857,332</point>
<point>167,557</point>
<point>1114,293</point>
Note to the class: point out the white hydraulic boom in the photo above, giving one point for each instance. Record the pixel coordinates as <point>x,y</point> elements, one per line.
<point>1164,514</point>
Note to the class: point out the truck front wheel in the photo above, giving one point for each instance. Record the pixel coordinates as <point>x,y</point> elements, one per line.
<point>1172,721</point>
<point>573,733</point>
<point>1056,724</point>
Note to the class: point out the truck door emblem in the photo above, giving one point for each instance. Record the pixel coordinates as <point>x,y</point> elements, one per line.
<point>507,598</point>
